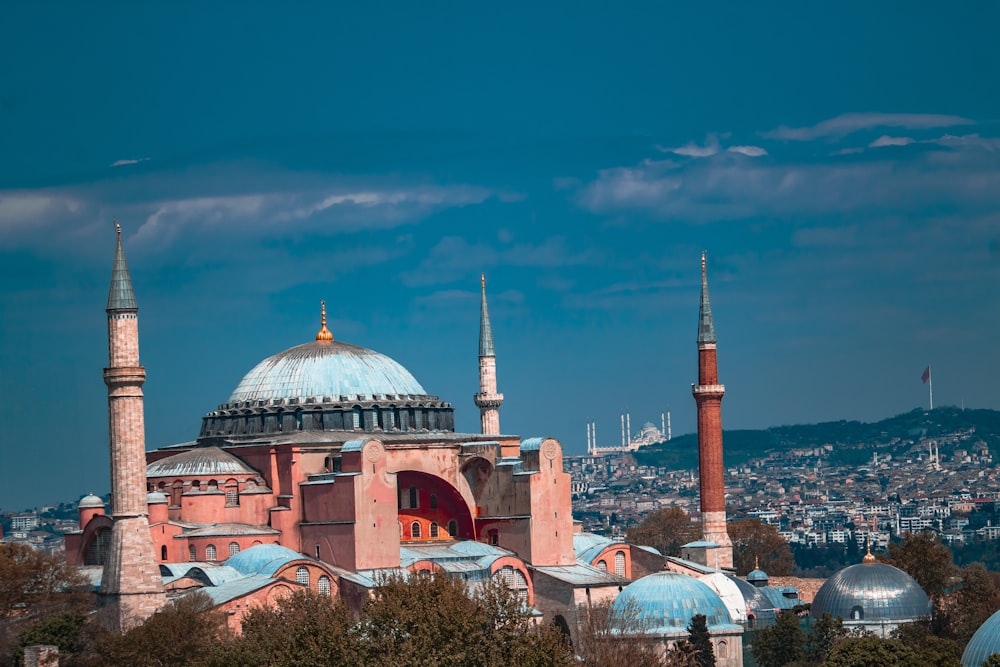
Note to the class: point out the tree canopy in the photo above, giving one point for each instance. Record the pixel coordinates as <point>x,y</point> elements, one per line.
<point>666,530</point>
<point>755,541</point>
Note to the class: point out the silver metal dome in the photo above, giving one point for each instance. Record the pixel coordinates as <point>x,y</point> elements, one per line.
<point>872,593</point>
<point>326,368</point>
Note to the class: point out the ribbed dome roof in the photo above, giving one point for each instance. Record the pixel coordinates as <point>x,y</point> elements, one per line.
<point>984,643</point>
<point>879,591</point>
<point>326,368</point>
<point>210,461</point>
<point>262,559</point>
<point>667,601</point>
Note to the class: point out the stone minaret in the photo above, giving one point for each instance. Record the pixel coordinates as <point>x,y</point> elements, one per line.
<point>131,585</point>
<point>488,400</point>
<point>708,395</point>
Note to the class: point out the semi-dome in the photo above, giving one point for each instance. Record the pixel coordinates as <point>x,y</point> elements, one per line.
<point>667,601</point>
<point>872,593</point>
<point>326,368</point>
<point>262,559</point>
<point>984,643</point>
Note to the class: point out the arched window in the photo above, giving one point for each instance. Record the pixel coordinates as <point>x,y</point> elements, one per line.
<point>356,415</point>
<point>514,579</point>
<point>232,497</point>
<point>163,552</point>
<point>234,548</point>
<point>601,565</point>
<point>413,498</point>
<point>192,553</point>
<point>415,530</point>
<point>433,501</point>
<point>494,537</point>
<point>434,530</point>
<point>722,650</point>
<point>302,575</point>
<point>317,552</point>
<point>857,614</point>
<point>323,585</point>
<point>210,552</point>
<point>453,528</point>
<point>400,529</point>
<point>620,563</point>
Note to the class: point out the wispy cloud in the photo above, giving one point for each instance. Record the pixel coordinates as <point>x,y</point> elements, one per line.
<point>749,151</point>
<point>886,140</point>
<point>723,188</point>
<point>849,123</point>
<point>122,163</point>
<point>691,149</point>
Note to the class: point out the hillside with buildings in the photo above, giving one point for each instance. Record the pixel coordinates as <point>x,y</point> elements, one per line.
<point>950,429</point>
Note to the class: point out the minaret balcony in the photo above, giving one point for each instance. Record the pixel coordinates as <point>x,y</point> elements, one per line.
<point>708,389</point>
<point>488,400</point>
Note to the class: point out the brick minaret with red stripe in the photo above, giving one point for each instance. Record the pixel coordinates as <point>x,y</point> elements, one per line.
<point>488,400</point>
<point>131,586</point>
<point>708,395</point>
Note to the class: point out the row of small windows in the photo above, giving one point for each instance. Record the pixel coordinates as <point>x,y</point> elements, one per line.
<point>322,584</point>
<point>411,501</point>
<point>619,564</point>
<point>211,553</point>
<point>433,530</point>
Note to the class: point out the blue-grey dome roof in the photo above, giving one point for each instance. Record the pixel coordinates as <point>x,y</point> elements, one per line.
<point>984,643</point>
<point>326,368</point>
<point>757,575</point>
<point>90,501</point>
<point>263,559</point>
<point>667,601</point>
<point>880,592</point>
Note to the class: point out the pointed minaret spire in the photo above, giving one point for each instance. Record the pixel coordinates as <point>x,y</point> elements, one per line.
<point>708,395</point>
<point>487,400</point>
<point>121,296</point>
<point>324,333</point>
<point>131,585</point>
<point>485,330</point>
<point>706,326</point>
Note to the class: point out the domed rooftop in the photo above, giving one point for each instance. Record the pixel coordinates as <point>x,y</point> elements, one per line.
<point>90,501</point>
<point>984,643</point>
<point>758,575</point>
<point>326,385</point>
<point>872,593</point>
<point>667,601</point>
<point>210,461</point>
<point>262,559</point>
<point>326,368</point>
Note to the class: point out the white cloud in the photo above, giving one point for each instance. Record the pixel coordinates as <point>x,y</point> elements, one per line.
<point>692,149</point>
<point>122,163</point>
<point>886,140</point>
<point>749,151</point>
<point>848,123</point>
<point>968,141</point>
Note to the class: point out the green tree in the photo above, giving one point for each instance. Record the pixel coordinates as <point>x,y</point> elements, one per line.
<point>871,651</point>
<point>303,629</point>
<point>923,557</point>
<point>701,641</point>
<point>755,541</point>
<point>974,599</point>
<point>780,644</point>
<point>184,632</point>
<point>63,630</point>
<point>992,661</point>
<point>827,632</point>
<point>666,530</point>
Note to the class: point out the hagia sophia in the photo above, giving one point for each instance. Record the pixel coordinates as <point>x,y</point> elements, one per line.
<point>330,465</point>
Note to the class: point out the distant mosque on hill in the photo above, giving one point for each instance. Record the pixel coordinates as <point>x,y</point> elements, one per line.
<point>330,465</point>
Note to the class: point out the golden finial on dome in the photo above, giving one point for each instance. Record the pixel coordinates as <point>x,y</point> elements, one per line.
<point>324,333</point>
<point>756,563</point>
<point>868,556</point>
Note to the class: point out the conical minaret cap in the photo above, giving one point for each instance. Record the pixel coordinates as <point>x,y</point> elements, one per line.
<point>485,330</point>
<point>121,296</point>
<point>706,326</point>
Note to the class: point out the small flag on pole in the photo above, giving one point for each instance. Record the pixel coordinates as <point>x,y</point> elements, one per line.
<point>926,375</point>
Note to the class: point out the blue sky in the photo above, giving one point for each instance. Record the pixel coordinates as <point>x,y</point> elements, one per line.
<point>841,167</point>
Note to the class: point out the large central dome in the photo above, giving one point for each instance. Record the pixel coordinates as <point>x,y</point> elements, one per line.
<point>325,385</point>
<point>326,368</point>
